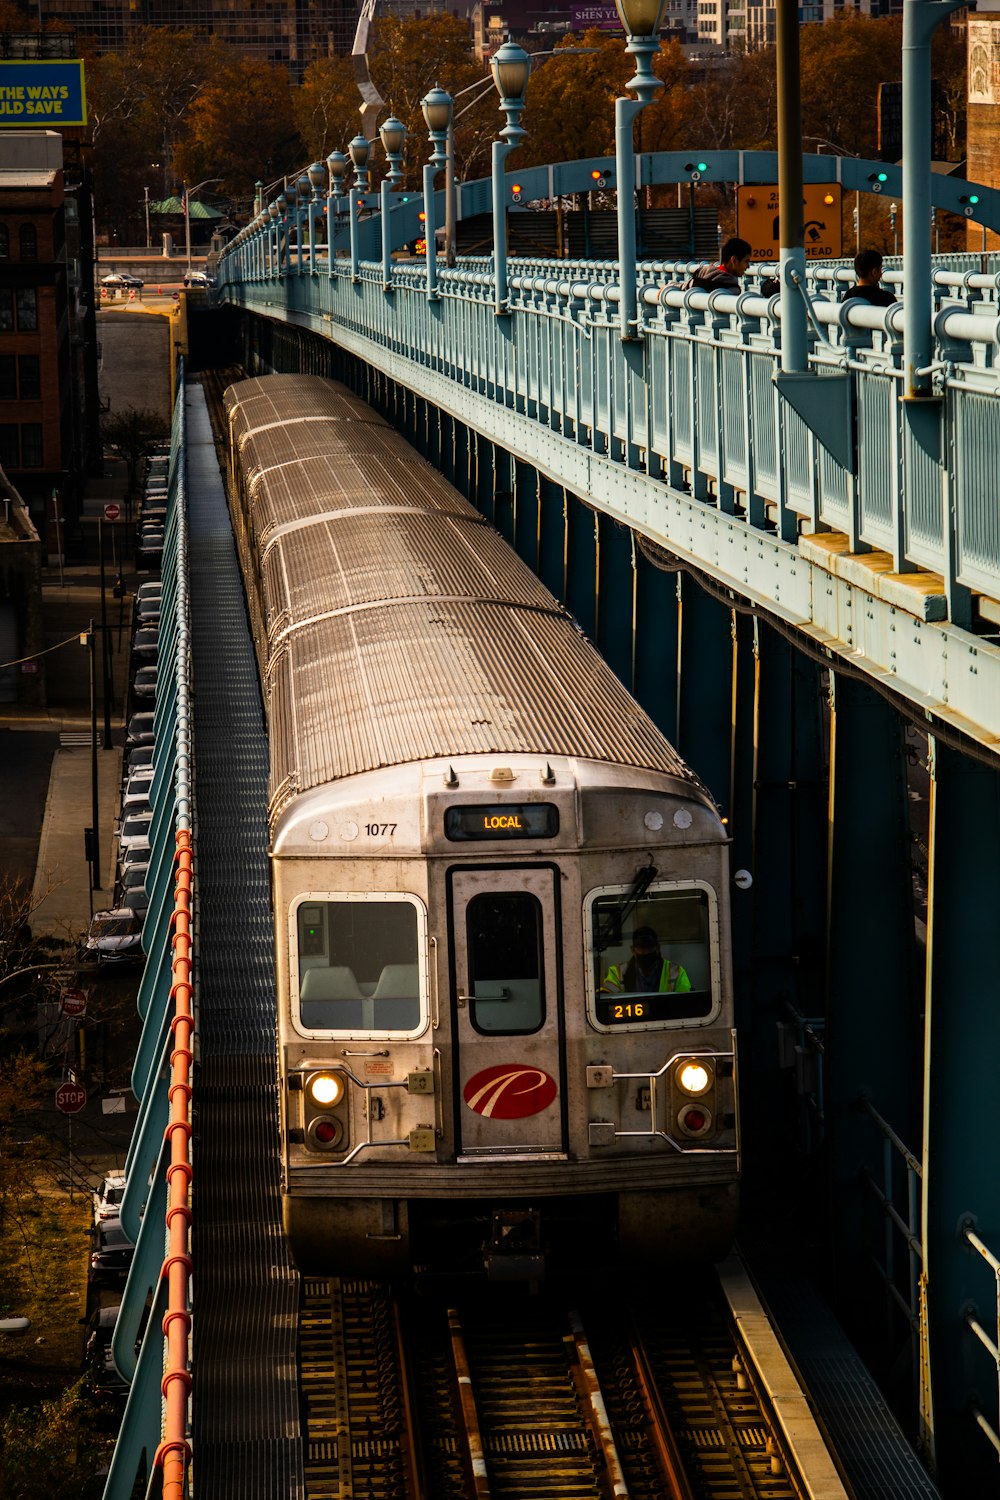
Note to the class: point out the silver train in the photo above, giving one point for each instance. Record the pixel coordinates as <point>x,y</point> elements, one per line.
<point>505,1015</point>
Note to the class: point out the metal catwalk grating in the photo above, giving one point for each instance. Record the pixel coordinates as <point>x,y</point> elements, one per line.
<point>245,1407</point>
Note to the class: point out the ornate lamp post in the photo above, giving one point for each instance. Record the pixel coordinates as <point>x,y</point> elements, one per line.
<point>393,133</point>
<point>358,151</point>
<point>336,165</point>
<point>273,215</point>
<point>303,189</point>
<point>317,179</point>
<point>437,107</point>
<point>511,66</point>
<point>282,205</point>
<point>641,20</point>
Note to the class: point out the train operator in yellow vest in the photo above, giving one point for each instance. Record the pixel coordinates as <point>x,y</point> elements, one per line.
<point>647,971</point>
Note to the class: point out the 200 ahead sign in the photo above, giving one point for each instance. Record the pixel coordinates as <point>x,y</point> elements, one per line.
<point>42,94</point>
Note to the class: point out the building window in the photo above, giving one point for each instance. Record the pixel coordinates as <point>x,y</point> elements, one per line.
<point>27,309</point>
<point>4,242</point>
<point>9,455</point>
<point>29,377</point>
<point>8,377</point>
<point>6,309</point>
<point>29,242</point>
<point>31,445</point>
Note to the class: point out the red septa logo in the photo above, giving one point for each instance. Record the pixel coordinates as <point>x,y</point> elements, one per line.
<point>510,1091</point>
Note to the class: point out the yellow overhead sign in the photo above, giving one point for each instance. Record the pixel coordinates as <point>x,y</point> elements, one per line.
<point>757,220</point>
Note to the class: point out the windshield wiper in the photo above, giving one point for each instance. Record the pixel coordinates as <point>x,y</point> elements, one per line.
<point>610,931</point>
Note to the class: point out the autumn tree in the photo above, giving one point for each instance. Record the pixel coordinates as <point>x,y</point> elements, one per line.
<point>137,102</point>
<point>326,107</point>
<point>241,127</point>
<point>131,434</point>
<point>51,1450</point>
<point>407,57</point>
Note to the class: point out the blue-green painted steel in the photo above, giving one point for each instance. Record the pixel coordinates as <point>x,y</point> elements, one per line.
<point>695,402</point>
<point>150,1236</point>
<point>139,1435</point>
<point>580,594</point>
<point>962,1110</point>
<point>705,687</point>
<point>552,536</point>
<point>874,1042</point>
<point>657,626</point>
<point>615,596</point>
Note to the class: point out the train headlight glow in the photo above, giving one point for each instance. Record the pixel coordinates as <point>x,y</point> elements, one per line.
<point>693,1077</point>
<point>326,1089</point>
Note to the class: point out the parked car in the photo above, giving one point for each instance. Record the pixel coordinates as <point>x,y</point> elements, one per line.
<point>122,278</point>
<point>151,588</point>
<point>111,1255</point>
<point>146,644</point>
<point>135,799</point>
<point>135,854</point>
<point>98,1360</point>
<point>137,901</point>
<point>140,729</point>
<point>144,683</point>
<point>147,611</point>
<point>134,829</point>
<point>133,876</point>
<point>150,548</point>
<point>108,1197</point>
<point>139,758</point>
<point>114,936</point>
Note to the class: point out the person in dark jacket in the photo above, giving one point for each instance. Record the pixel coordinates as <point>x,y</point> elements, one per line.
<point>733,262</point>
<point>868,270</point>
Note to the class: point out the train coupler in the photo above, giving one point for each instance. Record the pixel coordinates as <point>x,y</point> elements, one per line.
<point>515,1249</point>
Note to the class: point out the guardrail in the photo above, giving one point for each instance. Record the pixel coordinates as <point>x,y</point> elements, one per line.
<point>693,401</point>
<point>155,1315</point>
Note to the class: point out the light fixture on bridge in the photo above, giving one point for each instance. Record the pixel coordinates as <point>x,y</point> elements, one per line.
<point>438,107</point>
<point>336,165</point>
<point>511,68</point>
<point>641,20</point>
<point>359,150</point>
<point>393,133</point>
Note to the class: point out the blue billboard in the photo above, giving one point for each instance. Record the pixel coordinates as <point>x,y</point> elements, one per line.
<point>44,95</point>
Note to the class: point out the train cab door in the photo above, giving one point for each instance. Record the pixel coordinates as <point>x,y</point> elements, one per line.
<point>507,1010</point>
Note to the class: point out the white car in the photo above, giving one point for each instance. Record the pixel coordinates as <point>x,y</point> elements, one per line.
<point>108,1197</point>
<point>135,829</point>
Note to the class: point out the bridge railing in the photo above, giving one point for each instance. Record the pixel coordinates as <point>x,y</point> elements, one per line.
<point>151,1338</point>
<point>693,400</point>
<point>976,1328</point>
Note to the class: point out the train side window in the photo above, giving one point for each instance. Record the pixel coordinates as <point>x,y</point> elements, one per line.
<point>653,962</point>
<point>358,964</point>
<point>506,969</point>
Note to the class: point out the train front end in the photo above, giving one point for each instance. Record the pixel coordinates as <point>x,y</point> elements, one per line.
<point>506,1031</point>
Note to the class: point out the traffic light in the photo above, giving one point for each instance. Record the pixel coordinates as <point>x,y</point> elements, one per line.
<point>878,180</point>
<point>968,202</point>
<point>601,177</point>
<point>422,217</point>
<point>697,169</point>
<point>515,192</point>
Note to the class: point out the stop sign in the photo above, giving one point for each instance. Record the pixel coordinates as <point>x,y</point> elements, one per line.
<point>74,1002</point>
<point>112,512</point>
<point>70,1098</point>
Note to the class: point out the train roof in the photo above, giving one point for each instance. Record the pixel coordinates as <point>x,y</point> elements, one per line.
<point>398,625</point>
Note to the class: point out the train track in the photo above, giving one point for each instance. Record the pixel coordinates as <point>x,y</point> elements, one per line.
<point>507,1398</point>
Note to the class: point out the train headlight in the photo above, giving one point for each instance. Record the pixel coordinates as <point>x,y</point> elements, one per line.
<point>694,1078</point>
<point>326,1089</point>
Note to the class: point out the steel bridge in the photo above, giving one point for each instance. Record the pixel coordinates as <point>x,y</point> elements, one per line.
<point>801,584</point>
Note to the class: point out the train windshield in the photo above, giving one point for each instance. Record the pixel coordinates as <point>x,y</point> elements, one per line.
<point>654,959</point>
<point>358,964</point>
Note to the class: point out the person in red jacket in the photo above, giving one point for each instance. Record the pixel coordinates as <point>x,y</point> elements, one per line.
<point>733,262</point>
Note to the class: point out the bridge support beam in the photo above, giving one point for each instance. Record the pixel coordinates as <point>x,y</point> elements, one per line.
<point>961,1184</point>
<point>873,1040</point>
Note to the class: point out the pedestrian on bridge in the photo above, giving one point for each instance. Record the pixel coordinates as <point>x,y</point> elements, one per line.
<point>868,270</point>
<point>733,262</point>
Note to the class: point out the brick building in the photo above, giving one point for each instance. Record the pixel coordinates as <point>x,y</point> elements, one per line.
<point>983,120</point>
<point>49,414</point>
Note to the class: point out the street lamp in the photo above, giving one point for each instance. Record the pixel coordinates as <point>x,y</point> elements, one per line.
<point>641,20</point>
<point>437,106</point>
<point>187,214</point>
<point>358,151</point>
<point>304,191</point>
<point>317,179</point>
<point>510,66</point>
<point>393,133</point>
<point>336,165</point>
<point>273,254</point>
<point>292,213</point>
<point>281,203</point>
